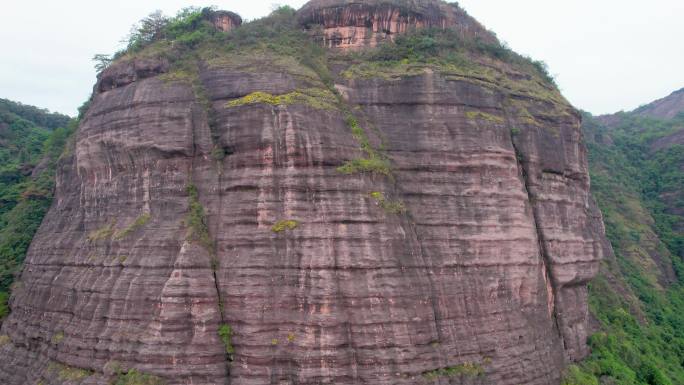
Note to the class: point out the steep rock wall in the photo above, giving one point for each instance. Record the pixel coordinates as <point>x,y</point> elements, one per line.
<point>468,250</point>
<point>353,24</point>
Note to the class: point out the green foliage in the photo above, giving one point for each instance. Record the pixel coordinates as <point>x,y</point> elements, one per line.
<point>374,162</point>
<point>103,233</point>
<point>372,165</point>
<point>38,117</point>
<point>68,373</point>
<point>131,228</point>
<point>279,33</point>
<point>102,61</point>
<point>390,206</point>
<point>467,369</point>
<point>198,231</point>
<point>492,67</point>
<point>419,45</point>
<point>4,309</point>
<point>82,110</point>
<point>573,375</point>
<point>188,38</point>
<point>31,143</point>
<point>479,115</point>
<point>226,334</point>
<point>642,321</point>
<point>16,233</point>
<point>189,27</point>
<point>147,30</point>
<point>436,45</point>
<point>642,341</point>
<point>218,153</point>
<point>284,225</point>
<point>135,377</point>
<point>314,97</point>
<point>57,337</point>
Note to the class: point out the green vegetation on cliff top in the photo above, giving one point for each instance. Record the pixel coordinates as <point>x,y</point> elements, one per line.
<point>279,42</point>
<point>493,66</point>
<point>189,37</point>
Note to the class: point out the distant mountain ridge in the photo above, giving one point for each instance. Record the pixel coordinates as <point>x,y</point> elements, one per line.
<point>636,162</point>
<point>38,116</point>
<point>665,108</point>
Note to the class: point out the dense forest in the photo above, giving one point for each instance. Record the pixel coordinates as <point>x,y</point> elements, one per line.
<point>31,141</point>
<point>637,179</point>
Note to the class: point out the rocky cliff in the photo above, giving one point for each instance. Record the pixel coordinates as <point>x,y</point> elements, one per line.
<point>348,24</point>
<point>233,215</point>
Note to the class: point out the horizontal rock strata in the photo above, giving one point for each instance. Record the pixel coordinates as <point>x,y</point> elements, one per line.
<point>244,226</point>
<point>350,24</point>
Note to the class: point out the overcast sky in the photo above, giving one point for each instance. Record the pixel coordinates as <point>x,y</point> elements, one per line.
<point>607,55</point>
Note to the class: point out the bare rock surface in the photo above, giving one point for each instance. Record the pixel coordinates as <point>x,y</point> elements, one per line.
<point>352,24</point>
<point>225,21</point>
<point>471,252</point>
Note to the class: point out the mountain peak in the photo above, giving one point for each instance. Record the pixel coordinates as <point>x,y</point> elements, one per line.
<point>365,23</point>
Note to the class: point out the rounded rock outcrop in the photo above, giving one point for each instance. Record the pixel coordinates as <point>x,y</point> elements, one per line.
<point>225,20</point>
<point>365,23</point>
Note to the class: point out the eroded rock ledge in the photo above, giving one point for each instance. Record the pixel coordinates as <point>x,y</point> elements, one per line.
<point>365,23</point>
<point>225,20</point>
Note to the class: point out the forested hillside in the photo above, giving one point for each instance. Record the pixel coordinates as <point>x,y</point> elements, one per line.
<point>31,140</point>
<point>636,166</point>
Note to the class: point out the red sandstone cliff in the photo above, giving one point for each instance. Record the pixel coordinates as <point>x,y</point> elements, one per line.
<point>354,24</point>
<point>473,249</point>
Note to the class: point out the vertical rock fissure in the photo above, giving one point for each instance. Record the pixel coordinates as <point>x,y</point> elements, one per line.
<point>545,258</point>
<point>206,112</point>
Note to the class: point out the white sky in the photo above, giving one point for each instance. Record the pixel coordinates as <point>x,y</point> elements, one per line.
<point>608,55</point>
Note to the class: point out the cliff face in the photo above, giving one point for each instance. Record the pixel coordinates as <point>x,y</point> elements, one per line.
<point>353,24</point>
<point>431,224</point>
